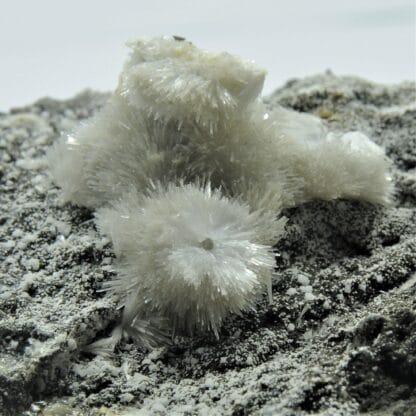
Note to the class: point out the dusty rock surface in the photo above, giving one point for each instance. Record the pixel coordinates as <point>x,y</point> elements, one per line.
<point>339,338</point>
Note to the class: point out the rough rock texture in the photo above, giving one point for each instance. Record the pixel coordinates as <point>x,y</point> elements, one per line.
<point>339,338</point>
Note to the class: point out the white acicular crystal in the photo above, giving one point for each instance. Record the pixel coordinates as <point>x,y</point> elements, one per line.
<point>189,172</point>
<point>190,254</point>
<point>172,79</point>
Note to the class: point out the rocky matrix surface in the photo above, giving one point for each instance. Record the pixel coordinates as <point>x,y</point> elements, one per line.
<point>339,338</point>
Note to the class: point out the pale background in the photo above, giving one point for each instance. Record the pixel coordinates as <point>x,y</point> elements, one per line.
<point>57,48</point>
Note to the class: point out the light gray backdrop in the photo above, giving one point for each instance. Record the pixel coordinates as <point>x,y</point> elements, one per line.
<point>57,48</point>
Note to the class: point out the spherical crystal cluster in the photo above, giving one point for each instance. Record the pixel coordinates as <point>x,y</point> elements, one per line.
<point>188,172</point>
<point>189,253</point>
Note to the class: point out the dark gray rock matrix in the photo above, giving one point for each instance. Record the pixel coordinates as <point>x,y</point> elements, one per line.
<point>339,338</point>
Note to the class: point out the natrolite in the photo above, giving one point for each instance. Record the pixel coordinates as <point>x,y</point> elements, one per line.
<point>189,171</point>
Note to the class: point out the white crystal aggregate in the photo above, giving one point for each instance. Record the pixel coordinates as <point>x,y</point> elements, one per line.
<point>188,172</point>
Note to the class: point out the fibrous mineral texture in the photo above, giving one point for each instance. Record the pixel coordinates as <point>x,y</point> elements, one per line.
<point>338,339</point>
<point>189,172</point>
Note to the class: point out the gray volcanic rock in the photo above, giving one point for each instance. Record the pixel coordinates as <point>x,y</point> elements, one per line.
<point>339,338</point>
